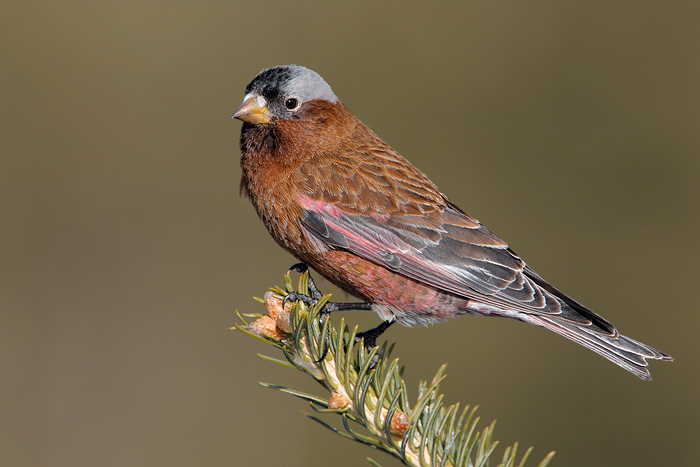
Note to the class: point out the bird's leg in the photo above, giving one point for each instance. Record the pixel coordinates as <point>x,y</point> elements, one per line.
<point>300,297</point>
<point>370,335</point>
<point>315,295</point>
<point>370,339</point>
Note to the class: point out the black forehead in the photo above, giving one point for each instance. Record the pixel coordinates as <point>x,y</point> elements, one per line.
<point>269,83</point>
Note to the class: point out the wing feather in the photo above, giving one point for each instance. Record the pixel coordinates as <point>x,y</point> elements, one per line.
<point>393,215</point>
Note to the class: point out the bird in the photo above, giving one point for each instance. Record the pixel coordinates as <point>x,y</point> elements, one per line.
<point>345,203</point>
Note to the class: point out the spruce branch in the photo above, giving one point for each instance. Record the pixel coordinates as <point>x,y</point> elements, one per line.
<point>367,390</point>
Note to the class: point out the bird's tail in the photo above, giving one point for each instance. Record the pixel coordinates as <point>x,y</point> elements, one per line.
<point>621,350</point>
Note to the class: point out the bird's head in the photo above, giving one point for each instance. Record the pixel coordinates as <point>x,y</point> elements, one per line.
<point>282,93</point>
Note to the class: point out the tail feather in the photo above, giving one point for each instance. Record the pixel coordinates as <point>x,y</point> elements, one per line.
<point>621,350</point>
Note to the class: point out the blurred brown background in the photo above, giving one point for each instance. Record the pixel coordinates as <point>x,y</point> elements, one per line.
<point>571,130</point>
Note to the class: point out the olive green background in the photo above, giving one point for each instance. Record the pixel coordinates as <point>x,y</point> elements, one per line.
<point>571,129</point>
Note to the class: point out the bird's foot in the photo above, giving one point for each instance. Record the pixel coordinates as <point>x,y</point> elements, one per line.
<point>370,335</point>
<point>370,339</point>
<point>299,297</point>
<point>315,295</point>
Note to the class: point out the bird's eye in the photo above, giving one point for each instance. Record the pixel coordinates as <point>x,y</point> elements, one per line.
<point>291,104</point>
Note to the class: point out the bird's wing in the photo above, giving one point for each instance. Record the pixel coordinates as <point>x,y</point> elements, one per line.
<point>392,215</point>
<point>458,255</point>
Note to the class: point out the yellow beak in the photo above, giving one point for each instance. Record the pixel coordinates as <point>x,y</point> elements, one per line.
<point>253,110</point>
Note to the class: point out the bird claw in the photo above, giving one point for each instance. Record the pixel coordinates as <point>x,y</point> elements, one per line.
<point>326,340</point>
<point>316,294</point>
<point>299,297</point>
<point>323,314</point>
<point>311,300</point>
<point>370,340</point>
<point>369,336</point>
<point>301,268</point>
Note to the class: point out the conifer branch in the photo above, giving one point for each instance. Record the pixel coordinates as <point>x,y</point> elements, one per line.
<point>367,390</point>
